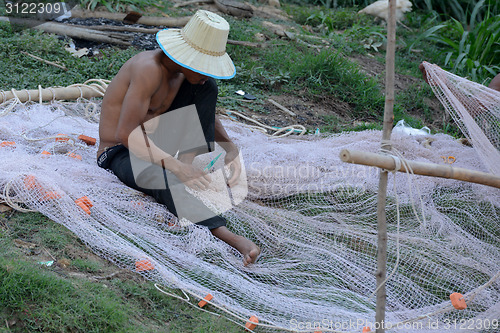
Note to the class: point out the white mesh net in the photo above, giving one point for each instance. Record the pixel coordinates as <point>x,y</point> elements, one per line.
<point>313,216</point>
<point>474,107</point>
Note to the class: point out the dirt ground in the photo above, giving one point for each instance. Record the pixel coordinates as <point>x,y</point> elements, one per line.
<point>310,113</point>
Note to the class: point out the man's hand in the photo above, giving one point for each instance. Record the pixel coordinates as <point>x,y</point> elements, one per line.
<point>232,160</point>
<point>193,177</point>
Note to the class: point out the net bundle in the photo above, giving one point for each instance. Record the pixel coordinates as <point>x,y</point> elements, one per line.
<point>313,216</point>
<point>474,108</point>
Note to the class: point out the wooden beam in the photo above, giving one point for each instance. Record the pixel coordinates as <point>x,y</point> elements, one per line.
<point>420,168</point>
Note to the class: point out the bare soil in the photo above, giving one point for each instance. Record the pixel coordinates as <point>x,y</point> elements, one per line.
<point>312,113</point>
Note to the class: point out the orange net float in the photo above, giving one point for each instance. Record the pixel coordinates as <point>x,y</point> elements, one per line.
<point>252,323</point>
<point>11,144</point>
<point>87,139</point>
<point>75,156</point>
<point>62,138</point>
<point>458,301</point>
<point>144,265</point>
<point>84,203</point>
<point>203,302</point>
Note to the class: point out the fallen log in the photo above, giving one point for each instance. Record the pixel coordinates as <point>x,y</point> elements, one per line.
<point>146,20</point>
<point>192,2</point>
<point>74,31</point>
<point>234,8</point>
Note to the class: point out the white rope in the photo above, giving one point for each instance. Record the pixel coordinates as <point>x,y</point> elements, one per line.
<point>40,99</point>
<point>187,300</point>
<point>262,127</point>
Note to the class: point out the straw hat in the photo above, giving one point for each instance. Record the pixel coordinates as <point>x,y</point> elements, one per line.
<point>200,46</point>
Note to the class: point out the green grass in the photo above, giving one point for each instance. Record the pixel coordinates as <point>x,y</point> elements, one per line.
<point>37,298</point>
<point>23,72</point>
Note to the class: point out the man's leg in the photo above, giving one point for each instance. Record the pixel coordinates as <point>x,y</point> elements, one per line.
<point>192,209</point>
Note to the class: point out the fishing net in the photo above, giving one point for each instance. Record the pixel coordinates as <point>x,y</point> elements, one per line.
<point>474,108</point>
<point>313,216</point>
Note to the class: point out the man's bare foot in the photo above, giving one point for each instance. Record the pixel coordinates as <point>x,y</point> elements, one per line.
<point>246,247</point>
<point>249,250</point>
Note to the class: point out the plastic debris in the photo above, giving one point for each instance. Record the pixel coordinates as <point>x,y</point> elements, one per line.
<point>47,263</point>
<point>245,95</point>
<point>403,128</point>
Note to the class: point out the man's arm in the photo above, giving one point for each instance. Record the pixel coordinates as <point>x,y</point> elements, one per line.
<point>131,132</point>
<point>144,81</point>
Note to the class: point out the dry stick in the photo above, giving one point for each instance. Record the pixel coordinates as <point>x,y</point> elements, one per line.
<point>382,185</point>
<point>420,168</point>
<point>281,107</point>
<point>44,61</point>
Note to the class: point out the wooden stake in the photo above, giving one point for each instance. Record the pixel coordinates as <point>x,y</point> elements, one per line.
<point>382,186</point>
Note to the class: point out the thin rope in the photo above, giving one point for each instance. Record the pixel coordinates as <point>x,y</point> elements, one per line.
<point>262,127</point>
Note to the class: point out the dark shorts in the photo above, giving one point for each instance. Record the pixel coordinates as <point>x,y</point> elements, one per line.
<point>172,192</point>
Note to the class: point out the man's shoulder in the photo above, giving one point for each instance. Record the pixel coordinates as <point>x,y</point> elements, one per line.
<point>145,63</point>
<point>144,59</point>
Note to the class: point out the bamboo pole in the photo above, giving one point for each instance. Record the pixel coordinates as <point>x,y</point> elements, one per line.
<point>381,272</point>
<point>420,168</point>
<point>60,93</point>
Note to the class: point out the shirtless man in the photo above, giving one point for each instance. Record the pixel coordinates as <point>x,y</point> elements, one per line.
<point>153,83</point>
